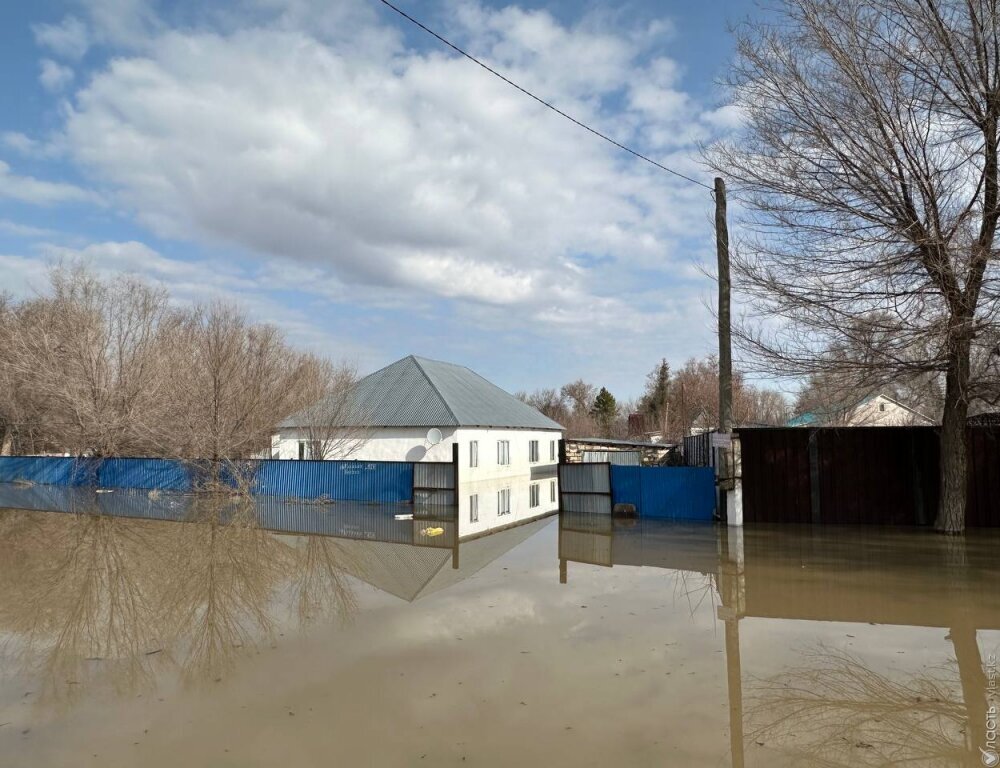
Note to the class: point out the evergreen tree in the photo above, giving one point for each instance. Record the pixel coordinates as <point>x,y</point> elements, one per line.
<point>655,400</point>
<point>604,410</point>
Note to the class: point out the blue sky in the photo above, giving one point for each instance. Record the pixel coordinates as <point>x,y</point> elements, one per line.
<point>339,174</point>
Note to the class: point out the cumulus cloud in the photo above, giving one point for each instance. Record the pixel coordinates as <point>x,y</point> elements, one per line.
<point>69,38</point>
<point>28,189</point>
<point>19,142</point>
<point>53,76</point>
<point>357,160</point>
<point>406,169</point>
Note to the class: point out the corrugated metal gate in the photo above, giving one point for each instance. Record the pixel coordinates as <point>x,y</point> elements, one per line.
<point>666,493</point>
<point>585,488</point>
<point>861,475</point>
<point>672,493</point>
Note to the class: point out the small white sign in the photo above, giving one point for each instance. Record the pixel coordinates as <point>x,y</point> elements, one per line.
<point>722,440</point>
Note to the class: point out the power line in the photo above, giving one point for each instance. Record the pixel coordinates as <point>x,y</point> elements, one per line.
<point>542,101</point>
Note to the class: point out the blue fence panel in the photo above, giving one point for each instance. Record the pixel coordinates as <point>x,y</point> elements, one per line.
<point>626,485</point>
<point>47,470</point>
<point>381,481</point>
<point>163,474</point>
<point>671,493</point>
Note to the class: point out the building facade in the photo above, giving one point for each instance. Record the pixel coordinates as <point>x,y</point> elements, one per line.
<point>873,411</point>
<point>419,410</point>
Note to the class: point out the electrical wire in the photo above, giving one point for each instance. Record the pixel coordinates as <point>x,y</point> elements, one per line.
<point>540,100</point>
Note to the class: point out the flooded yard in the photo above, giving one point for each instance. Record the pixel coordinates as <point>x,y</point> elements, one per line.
<point>209,640</point>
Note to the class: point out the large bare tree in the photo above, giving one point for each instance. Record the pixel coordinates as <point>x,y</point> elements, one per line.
<point>111,367</point>
<point>868,170</point>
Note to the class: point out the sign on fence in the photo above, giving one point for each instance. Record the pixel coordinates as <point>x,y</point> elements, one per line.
<point>722,440</point>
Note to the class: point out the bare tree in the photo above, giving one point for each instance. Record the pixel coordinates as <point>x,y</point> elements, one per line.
<point>109,367</point>
<point>550,402</point>
<point>869,172</point>
<point>82,363</point>
<point>335,421</point>
<point>234,382</point>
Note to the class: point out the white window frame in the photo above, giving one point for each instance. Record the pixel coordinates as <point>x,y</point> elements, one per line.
<point>473,453</point>
<point>552,450</point>
<point>534,453</point>
<point>503,453</point>
<point>303,448</point>
<point>552,490</point>
<point>503,502</point>
<point>474,508</point>
<point>534,496</point>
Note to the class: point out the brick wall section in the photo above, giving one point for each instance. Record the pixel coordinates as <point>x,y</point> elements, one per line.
<point>649,456</point>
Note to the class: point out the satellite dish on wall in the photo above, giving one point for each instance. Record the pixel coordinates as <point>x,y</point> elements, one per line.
<point>434,436</point>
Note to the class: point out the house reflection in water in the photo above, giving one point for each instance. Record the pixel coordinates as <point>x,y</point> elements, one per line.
<point>117,589</point>
<point>833,707</point>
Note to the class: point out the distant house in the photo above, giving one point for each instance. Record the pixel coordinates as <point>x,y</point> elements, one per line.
<point>873,411</point>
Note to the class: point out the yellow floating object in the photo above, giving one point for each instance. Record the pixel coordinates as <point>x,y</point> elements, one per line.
<point>431,531</point>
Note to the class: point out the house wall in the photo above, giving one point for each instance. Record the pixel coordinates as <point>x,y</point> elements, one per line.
<point>488,493</point>
<point>518,439</point>
<point>882,412</point>
<point>410,444</point>
<point>382,444</point>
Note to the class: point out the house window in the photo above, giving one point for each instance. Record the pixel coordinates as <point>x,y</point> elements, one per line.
<point>474,508</point>
<point>881,406</point>
<point>503,501</point>
<point>552,450</point>
<point>503,452</point>
<point>302,449</point>
<point>474,453</point>
<point>532,451</point>
<point>552,490</point>
<point>533,495</point>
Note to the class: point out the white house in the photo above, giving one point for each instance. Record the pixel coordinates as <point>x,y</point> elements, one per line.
<point>873,411</point>
<point>417,410</point>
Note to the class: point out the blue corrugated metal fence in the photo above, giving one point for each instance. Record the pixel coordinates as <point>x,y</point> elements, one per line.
<point>381,481</point>
<point>672,493</point>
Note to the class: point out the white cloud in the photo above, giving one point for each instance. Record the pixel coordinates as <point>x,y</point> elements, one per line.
<point>69,38</point>
<point>195,281</point>
<point>19,142</point>
<point>398,169</point>
<point>25,230</point>
<point>349,166</point>
<point>53,76</point>
<point>28,189</point>
<point>121,23</point>
<point>23,276</point>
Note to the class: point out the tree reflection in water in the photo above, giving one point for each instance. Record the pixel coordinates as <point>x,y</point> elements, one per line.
<point>834,709</point>
<point>89,600</point>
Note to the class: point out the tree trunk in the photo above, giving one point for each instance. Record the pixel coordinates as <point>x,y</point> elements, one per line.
<point>974,684</point>
<point>954,442</point>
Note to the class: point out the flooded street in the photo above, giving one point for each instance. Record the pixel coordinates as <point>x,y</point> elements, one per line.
<point>573,641</point>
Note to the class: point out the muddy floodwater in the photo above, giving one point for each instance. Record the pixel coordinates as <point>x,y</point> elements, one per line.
<point>210,640</point>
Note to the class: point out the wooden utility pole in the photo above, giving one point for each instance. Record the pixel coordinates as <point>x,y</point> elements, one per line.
<point>725,339</point>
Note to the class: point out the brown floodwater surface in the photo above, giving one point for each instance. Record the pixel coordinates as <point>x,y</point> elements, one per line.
<point>572,641</point>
